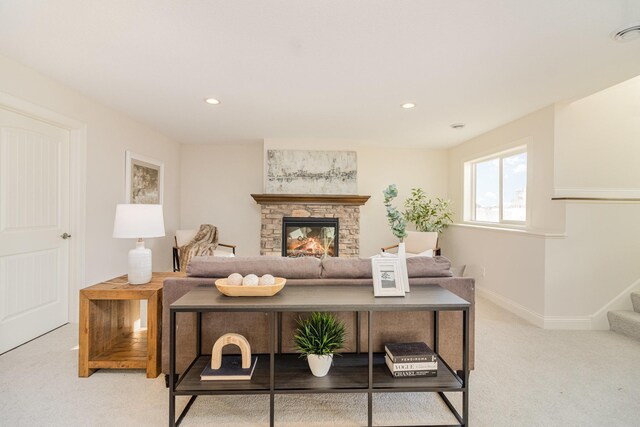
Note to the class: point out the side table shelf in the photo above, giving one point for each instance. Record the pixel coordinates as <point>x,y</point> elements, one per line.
<point>352,372</point>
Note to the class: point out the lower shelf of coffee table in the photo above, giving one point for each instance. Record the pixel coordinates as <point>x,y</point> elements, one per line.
<point>292,374</point>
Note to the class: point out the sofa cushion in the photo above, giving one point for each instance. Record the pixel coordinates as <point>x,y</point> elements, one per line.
<point>422,266</point>
<point>346,268</point>
<point>356,268</point>
<point>289,268</point>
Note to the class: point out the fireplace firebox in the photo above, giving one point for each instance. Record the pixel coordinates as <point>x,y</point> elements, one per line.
<point>317,237</point>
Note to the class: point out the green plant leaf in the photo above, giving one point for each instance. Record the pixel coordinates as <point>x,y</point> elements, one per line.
<point>427,214</point>
<point>321,333</point>
<point>396,220</point>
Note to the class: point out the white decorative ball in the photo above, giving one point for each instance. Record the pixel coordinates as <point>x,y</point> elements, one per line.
<point>267,279</point>
<point>234,279</point>
<point>250,280</point>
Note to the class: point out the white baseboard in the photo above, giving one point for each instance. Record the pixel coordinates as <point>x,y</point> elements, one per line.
<point>512,306</point>
<point>544,322</point>
<point>621,302</point>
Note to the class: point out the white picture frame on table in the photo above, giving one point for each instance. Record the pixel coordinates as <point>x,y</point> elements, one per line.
<point>144,179</point>
<point>388,280</point>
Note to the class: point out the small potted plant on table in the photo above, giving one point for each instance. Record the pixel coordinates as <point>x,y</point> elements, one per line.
<point>318,338</point>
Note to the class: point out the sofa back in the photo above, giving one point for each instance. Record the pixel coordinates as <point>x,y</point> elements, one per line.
<point>310,267</point>
<point>290,268</point>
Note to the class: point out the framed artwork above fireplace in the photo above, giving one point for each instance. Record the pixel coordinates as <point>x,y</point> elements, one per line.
<point>311,172</point>
<point>317,237</point>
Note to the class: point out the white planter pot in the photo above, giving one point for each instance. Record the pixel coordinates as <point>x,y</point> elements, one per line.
<point>320,364</point>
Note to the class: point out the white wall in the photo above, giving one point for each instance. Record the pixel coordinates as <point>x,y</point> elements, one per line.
<point>599,259</point>
<point>576,260</point>
<point>537,131</point>
<point>597,149</point>
<point>109,134</point>
<point>511,265</point>
<point>598,144</point>
<point>513,261</point>
<point>217,182</point>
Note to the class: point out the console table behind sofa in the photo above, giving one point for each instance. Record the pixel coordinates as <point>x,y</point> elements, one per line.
<point>390,326</point>
<point>352,373</point>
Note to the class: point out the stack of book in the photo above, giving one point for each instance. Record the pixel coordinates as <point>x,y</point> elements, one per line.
<point>230,370</point>
<point>411,359</point>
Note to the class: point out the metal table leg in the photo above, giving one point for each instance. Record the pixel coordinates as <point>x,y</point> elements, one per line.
<point>370,391</point>
<point>272,359</point>
<point>436,331</point>
<point>465,366</point>
<point>172,369</point>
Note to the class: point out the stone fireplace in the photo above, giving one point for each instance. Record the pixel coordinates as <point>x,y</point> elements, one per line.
<point>344,209</point>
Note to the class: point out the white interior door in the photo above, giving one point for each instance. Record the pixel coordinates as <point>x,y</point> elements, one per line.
<point>34,213</point>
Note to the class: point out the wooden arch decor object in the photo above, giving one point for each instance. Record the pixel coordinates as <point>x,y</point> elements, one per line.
<point>235,339</point>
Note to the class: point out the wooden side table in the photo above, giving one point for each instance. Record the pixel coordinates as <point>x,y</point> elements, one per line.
<point>108,336</point>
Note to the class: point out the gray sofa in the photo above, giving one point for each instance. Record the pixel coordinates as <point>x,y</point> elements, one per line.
<point>389,326</point>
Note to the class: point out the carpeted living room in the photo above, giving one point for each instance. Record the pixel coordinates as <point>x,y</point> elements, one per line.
<point>302,213</point>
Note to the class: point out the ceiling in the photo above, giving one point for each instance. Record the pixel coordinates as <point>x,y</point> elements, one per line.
<point>321,69</point>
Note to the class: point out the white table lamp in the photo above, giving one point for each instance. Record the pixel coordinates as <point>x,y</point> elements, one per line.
<point>138,222</point>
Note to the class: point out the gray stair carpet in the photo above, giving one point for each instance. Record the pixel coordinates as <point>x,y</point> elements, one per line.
<point>635,300</point>
<point>625,322</point>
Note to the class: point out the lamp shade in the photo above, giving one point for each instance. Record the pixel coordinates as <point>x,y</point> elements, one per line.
<point>138,221</point>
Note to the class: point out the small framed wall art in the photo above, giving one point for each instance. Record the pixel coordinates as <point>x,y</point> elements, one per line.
<point>144,179</point>
<point>388,280</point>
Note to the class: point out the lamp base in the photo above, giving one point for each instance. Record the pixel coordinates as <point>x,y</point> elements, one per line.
<point>140,266</point>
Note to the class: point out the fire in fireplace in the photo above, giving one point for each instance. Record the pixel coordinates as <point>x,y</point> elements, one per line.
<point>316,237</point>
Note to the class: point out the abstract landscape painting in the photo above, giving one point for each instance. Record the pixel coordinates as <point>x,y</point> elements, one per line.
<point>311,172</point>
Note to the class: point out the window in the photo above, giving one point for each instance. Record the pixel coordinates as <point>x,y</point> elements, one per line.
<point>496,188</point>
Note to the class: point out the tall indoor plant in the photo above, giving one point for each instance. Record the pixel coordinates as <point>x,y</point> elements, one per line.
<point>429,216</point>
<point>317,338</point>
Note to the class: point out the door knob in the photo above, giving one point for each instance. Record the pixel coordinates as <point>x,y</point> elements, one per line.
<point>65,236</point>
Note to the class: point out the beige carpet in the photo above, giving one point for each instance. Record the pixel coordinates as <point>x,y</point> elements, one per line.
<point>524,376</point>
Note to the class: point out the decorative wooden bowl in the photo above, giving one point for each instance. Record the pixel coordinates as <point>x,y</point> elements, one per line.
<point>250,291</point>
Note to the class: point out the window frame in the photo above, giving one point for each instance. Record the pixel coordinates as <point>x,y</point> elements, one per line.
<point>470,188</point>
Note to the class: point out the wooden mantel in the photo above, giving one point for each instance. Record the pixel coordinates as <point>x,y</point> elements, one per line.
<point>311,199</point>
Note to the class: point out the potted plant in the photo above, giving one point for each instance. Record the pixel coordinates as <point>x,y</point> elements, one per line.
<point>318,338</point>
<point>429,216</point>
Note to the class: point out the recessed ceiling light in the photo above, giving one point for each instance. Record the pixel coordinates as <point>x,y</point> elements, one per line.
<point>457,126</point>
<point>627,34</point>
<point>212,101</point>
<point>408,105</point>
